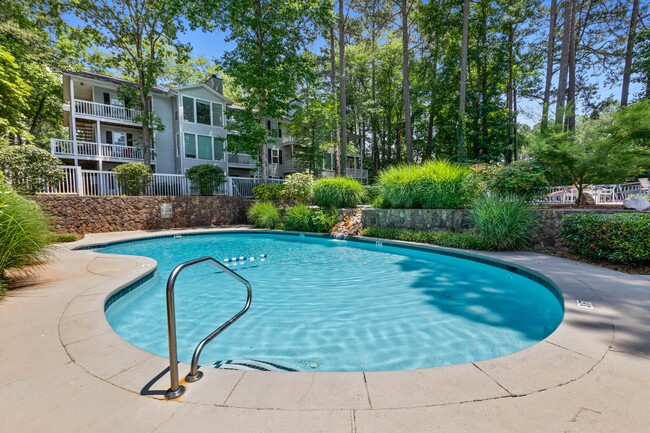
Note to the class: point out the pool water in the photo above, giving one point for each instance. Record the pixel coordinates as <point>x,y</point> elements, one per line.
<point>322,304</point>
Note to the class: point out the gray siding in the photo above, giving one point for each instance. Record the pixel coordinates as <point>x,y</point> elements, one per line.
<point>164,140</point>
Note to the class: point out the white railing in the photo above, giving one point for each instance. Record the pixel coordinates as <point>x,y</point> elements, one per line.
<point>96,151</point>
<point>241,159</point>
<point>355,173</point>
<point>106,111</point>
<point>104,183</point>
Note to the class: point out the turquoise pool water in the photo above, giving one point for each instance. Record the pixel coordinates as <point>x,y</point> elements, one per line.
<point>322,304</point>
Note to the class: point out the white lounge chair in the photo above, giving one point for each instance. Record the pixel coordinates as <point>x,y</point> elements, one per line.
<point>645,184</point>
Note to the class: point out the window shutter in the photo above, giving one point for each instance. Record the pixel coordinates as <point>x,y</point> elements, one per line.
<point>279,132</point>
<point>129,139</point>
<point>280,156</point>
<point>107,98</point>
<point>109,135</point>
<point>268,125</point>
<point>269,151</point>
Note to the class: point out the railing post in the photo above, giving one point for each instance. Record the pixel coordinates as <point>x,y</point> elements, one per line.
<point>79,180</point>
<point>229,187</point>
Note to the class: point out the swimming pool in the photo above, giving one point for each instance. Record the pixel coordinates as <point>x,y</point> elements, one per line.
<point>322,304</point>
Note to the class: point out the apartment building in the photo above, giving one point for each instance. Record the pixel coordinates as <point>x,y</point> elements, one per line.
<point>104,133</point>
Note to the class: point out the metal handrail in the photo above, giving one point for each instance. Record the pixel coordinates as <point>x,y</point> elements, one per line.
<point>176,390</point>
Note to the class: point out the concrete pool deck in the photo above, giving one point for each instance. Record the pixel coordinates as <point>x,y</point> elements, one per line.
<point>63,369</point>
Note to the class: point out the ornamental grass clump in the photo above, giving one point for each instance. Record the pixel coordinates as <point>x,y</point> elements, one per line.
<point>338,192</point>
<point>436,184</point>
<point>299,218</point>
<point>24,232</point>
<point>503,223</point>
<point>264,215</point>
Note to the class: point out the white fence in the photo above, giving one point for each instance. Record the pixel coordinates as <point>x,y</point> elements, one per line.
<point>104,183</point>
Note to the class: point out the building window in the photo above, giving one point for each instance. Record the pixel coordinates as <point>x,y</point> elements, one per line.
<point>203,112</point>
<point>217,115</point>
<point>205,147</point>
<point>188,109</point>
<point>275,156</point>
<point>218,148</point>
<point>268,125</point>
<point>190,146</point>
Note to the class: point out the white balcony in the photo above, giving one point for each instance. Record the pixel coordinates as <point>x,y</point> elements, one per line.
<point>106,112</point>
<point>86,150</point>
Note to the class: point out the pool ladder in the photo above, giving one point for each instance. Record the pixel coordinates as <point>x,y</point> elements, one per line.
<point>176,390</point>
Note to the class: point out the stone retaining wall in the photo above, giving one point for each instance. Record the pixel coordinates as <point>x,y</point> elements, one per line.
<point>73,214</point>
<point>416,219</point>
<point>545,239</point>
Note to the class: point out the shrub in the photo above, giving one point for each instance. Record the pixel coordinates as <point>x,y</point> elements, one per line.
<point>371,195</point>
<point>524,179</point>
<point>268,191</point>
<point>29,168</point>
<point>299,218</point>
<point>434,185</point>
<point>324,220</point>
<point>24,231</point>
<point>264,215</point>
<point>133,177</point>
<point>465,240</point>
<point>617,238</point>
<point>298,187</point>
<point>206,179</point>
<point>61,238</point>
<point>338,192</point>
<point>503,223</point>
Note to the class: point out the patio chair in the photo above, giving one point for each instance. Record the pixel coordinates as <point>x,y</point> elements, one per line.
<point>605,194</point>
<point>645,184</point>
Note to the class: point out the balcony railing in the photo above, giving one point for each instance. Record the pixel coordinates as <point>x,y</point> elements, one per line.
<point>96,151</point>
<point>241,160</point>
<point>106,111</point>
<point>355,173</point>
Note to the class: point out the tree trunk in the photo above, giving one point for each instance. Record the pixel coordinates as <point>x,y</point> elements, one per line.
<point>510,88</point>
<point>343,99</point>
<point>335,133</point>
<point>408,134</point>
<point>629,52</point>
<point>461,154</point>
<point>514,126</point>
<point>146,127</point>
<point>37,116</point>
<point>259,46</point>
<point>550,57</point>
<point>571,96</point>
<point>432,106</point>
<point>564,64</point>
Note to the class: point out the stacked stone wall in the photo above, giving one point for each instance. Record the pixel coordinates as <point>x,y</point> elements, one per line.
<point>73,214</point>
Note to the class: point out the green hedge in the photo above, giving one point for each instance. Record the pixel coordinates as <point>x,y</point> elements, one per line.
<point>435,184</point>
<point>268,191</point>
<point>464,240</point>
<point>617,238</point>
